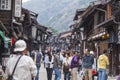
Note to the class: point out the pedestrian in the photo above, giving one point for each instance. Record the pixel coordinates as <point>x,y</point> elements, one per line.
<point>80,70</point>
<point>118,78</point>
<point>80,63</point>
<point>74,66</point>
<point>103,63</point>
<point>49,60</point>
<point>25,67</point>
<point>37,56</point>
<point>71,56</point>
<point>87,61</point>
<point>57,65</point>
<point>66,67</point>
<point>94,67</point>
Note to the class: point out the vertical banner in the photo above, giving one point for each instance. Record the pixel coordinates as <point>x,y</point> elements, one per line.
<point>18,7</point>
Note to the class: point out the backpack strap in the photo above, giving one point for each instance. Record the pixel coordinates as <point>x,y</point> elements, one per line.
<point>16,65</point>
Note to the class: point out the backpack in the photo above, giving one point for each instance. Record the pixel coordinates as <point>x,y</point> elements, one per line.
<point>66,66</point>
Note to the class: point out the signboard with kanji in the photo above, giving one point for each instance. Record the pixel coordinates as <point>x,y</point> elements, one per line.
<point>5,4</point>
<point>18,7</point>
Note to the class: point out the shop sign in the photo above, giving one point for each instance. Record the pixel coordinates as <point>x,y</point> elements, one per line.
<point>5,4</point>
<point>18,7</point>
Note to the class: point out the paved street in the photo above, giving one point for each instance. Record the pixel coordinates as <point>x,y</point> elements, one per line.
<point>43,75</point>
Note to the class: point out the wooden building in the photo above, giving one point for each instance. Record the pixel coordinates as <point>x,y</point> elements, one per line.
<point>19,23</point>
<point>64,40</point>
<point>100,23</point>
<point>34,33</point>
<point>77,32</point>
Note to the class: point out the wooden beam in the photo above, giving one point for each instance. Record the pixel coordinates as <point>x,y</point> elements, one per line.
<point>109,15</point>
<point>3,26</point>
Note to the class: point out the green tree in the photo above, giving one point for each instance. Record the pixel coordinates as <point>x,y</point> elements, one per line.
<point>53,30</point>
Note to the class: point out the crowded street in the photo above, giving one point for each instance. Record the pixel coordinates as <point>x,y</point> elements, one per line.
<point>59,39</point>
<point>43,75</point>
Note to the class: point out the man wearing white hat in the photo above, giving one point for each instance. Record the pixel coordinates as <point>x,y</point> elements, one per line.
<point>25,68</point>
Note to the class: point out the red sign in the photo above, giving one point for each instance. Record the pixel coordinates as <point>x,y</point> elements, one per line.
<point>12,40</point>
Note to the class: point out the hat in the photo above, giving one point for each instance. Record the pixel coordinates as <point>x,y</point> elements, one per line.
<point>20,45</point>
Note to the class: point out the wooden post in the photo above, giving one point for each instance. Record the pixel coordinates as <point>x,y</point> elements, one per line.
<point>109,12</point>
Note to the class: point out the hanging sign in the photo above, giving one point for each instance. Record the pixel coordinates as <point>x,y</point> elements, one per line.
<point>5,4</point>
<point>18,7</point>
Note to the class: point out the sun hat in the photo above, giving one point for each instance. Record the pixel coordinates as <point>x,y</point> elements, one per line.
<point>20,45</point>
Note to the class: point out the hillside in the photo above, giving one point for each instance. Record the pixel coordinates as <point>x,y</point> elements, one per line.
<point>57,14</point>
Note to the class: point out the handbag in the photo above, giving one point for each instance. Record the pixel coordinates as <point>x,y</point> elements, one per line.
<point>10,77</point>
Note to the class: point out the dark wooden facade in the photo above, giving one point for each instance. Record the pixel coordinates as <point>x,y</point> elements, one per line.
<point>35,33</point>
<point>100,23</point>
<point>64,40</point>
<point>25,27</point>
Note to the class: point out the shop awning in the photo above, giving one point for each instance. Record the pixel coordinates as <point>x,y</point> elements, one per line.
<point>2,34</point>
<point>6,39</point>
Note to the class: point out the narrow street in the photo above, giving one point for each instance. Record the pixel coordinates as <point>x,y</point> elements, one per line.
<point>43,75</point>
<point>77,35</point>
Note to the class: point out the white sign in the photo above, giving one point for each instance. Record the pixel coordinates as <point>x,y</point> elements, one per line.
<point>5,4</point>
<point>18,7</point>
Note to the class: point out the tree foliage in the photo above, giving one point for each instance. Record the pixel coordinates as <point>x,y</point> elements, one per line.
<point>53,30</point>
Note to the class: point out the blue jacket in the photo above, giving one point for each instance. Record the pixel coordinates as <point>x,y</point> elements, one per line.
<point>88,61</point>
<point>38,58</point>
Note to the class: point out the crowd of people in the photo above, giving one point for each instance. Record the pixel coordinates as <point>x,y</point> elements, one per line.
<point>72,64</point>
<point>22,66</point>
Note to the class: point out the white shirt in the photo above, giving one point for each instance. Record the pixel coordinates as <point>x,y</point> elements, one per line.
<point>48,62</point>
<point>70,59</point>
<point>61,57</point>
<point>25,67</point>
<point>66,61</point>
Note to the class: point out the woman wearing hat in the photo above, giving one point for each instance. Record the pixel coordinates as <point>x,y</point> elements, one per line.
<point>25,67</point>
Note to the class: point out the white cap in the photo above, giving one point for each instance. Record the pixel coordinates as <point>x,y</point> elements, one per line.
<point>20,45</point>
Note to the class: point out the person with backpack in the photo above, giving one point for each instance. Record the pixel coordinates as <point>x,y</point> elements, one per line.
<point>103,63</point>
<point>57,65</point>
<point>74,66</point>
<point>36,55</point>
<point>66,67</point>
<point>87,61</point>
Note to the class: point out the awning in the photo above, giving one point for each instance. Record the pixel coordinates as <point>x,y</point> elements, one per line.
<point>2,34</point>
<point>6,39</point>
